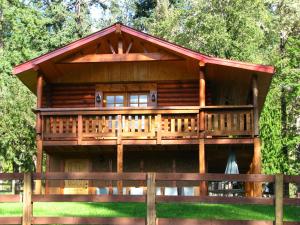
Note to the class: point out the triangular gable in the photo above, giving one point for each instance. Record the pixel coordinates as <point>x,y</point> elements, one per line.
<point>179,50</point>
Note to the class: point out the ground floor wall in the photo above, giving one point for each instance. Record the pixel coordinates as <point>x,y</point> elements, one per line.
<point>173,158</point>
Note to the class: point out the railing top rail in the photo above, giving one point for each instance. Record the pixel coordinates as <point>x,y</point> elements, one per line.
<point>233,107</point>
<point>121,110</point>
<point>215,177</point>
<point>89,176</point>
<point>142,110</point>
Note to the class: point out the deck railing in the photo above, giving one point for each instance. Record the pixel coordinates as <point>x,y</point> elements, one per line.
<point>230,120</point>
<point>150,197</point>
<point>145,123</point>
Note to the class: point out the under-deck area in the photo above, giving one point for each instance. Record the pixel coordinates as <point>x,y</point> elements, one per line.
<point>138,158</point>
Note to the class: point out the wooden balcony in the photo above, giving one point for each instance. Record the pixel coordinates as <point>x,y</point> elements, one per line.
<point>91,126</point>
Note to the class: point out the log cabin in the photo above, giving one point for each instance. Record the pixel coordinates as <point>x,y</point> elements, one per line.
<point>120,100</point>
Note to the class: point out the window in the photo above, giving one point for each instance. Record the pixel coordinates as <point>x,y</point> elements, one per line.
<point>138,100</point>
<point>114,100</point>
<point>125,99</point>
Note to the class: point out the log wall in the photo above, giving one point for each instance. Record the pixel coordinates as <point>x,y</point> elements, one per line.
<point>178,93</point>
<point>171,93</point>
<point>70,96</point>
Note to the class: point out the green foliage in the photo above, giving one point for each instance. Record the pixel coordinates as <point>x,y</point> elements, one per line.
<point>17,145</point>
<point>265,32</point>
<point>28,30</point>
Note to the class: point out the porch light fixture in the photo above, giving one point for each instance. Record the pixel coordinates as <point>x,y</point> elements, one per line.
<point>98,98</point>
<point>153,97</point>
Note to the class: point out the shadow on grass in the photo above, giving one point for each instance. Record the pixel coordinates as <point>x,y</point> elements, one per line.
<point>85,209</point>
<point>164,210</point>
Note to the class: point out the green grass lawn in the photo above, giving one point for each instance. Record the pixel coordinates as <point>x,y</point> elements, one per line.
<point>182,210</point>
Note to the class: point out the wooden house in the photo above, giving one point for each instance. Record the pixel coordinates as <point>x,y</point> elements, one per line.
<point>122,100</point>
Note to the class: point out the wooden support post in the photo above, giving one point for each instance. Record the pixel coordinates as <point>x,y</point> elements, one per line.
<point>110,191</point>
<point>279,199</point>
<point>202,167</point>
<point>39,162</point>
<point>202,99</point>
<point>27,203</point>
<point>48,169</point>
<point>249,185</point>
<point>255,106</point>
<point>38,128</point>
<point>119,133</point>
<point>39,98</point>
<point>120,167</point>
<point>151,191</point>
<point>39,89</point>
<point>256,167</point>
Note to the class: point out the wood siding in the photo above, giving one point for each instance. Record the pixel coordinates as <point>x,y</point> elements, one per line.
<point>171,93</point>
<point>69,96</point>
<point>178,93</point>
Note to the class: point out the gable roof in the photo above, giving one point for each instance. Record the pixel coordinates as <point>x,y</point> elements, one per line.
<point>33,63</point>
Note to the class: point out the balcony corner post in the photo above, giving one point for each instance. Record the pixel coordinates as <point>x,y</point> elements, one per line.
<point>39,139</point>
<point>255,105</point>
<point>202,167</point>
<point>120,167</point>
<point>202,99</point>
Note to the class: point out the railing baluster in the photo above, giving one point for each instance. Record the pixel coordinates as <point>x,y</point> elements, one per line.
<point>209,122</point>
<point>80,128</point>
<point>126,129</point>
<point>242,121</point>
<point>158,127</point>
<point>139,118</point>
<point>248,115</point>
<point>222,122</point>
<point>192,125</point>
<point>113,125</point>
<point>172,125</point>
<point>179,125</point>
<point>146,124</point>
<point>216,122</point>
<point>229,124</point>
<point>166,124</point>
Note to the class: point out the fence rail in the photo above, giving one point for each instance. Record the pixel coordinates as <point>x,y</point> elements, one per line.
<point>151,198</point>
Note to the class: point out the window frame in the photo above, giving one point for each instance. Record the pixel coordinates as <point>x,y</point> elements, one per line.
<point>114,94</point>
<point>138,102</point>
<point>126,99</point>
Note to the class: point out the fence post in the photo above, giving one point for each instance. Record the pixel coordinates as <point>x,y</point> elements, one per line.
<point>279,199</point>
<point>27,203</point>
<point>151,191</point>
